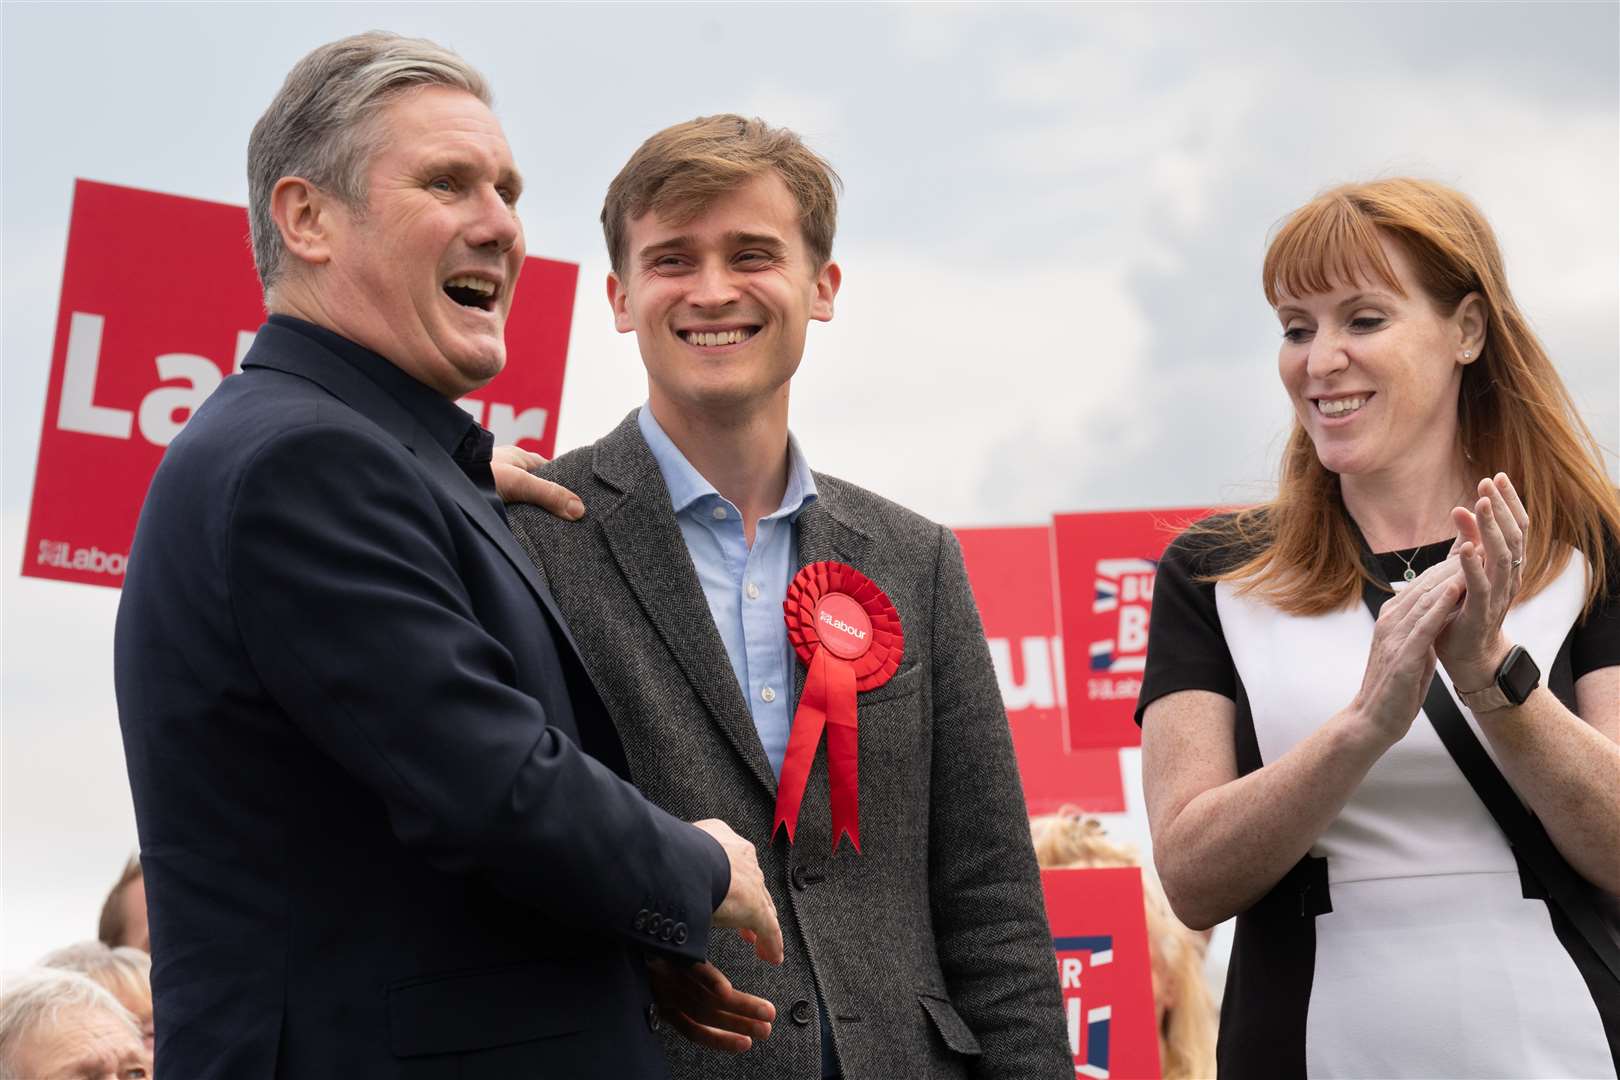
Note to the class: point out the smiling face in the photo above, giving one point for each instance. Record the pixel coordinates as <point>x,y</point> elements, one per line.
<point>720,304</point>
<point>1374,375</point>
<point>425,276</point>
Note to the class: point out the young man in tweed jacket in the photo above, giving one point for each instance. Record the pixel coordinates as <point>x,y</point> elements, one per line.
<point>927,954</point>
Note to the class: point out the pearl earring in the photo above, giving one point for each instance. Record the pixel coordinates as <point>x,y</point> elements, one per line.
<point>1467,354</point>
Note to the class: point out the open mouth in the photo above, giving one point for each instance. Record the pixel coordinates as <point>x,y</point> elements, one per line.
<point>1334,408</point>
<point>472,292</point>
<point>714,339</point>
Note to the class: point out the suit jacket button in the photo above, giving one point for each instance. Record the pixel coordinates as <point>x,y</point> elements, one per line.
<point>802,1013</point>
<point>680,934</point>
<point>641,919</point>
<point>653,1023</point>
<point>799,881</point>
<point>667,930</point>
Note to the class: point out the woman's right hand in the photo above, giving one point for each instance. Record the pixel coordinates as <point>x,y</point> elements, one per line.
<point>1401,662</point>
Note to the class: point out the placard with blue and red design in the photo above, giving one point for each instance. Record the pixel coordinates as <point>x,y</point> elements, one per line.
<point>1105,565</point>
<point>1099,936</point>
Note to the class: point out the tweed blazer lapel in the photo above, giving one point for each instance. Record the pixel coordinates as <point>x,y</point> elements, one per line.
<point>651,554</point>
<point>826,531</point>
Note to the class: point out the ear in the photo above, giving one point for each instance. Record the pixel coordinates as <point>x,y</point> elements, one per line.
<point>827,282</point>
<point>305,216</point>
<point>619,300</point>
<point>1471,318</point>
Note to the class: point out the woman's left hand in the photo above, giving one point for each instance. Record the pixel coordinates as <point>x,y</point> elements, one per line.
<point>1491,543</point>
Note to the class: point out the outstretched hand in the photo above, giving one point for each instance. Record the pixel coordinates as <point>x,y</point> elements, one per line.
<point>515,481</point>
<point>1491,546</point>
<point>698,1001</point>
<point>748,907</point>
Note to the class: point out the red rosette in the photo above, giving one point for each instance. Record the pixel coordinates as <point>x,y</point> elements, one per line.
<point>847,632</point>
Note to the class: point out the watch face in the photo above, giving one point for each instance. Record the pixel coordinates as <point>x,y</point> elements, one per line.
<point>1518,676</point>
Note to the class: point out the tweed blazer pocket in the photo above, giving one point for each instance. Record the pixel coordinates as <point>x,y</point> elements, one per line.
<point>952,1028</point>
<point>905,681</point>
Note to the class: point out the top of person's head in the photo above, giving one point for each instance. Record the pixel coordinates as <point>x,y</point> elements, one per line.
<point>679,171</point>
<point>319,125</point>
<point>118,969</point>
<point>1070,839</point>
<point>1334,240</point>
<point>43,1011</point>
<point>114,927</point>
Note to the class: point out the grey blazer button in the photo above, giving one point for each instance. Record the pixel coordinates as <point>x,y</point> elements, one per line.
<point>653,1023</point>
<point>680,934</point>
<point>802,1013</point>
<point>800,876</point>
<point>640,922</point>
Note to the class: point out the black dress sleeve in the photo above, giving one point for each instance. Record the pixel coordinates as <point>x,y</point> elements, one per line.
<point>1186,647</point>
<point>1595,642</point>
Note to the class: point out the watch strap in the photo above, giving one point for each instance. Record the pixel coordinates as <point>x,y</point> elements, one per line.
<point>1483,701</point>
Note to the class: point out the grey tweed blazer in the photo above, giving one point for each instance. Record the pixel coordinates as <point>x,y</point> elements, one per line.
<point>931,947</point>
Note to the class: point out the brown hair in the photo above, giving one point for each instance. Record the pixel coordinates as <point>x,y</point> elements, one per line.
<point>114,922</point>
<point>681,170</point>
<point>1187,1036</point>
<point>1514,413</point>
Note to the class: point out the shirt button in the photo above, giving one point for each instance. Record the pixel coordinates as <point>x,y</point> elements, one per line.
<point>719,513</point>
<point>753,591</point>
<point>767,695</point>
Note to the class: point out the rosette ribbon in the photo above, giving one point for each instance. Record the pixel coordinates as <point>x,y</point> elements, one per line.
<point>847,633</point>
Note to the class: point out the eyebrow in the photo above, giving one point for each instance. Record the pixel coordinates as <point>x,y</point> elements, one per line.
<point>457,165</point>
<point>1348,302</point>
<point>733,239</point>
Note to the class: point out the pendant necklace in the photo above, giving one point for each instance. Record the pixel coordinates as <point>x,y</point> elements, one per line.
<point>1410,573</point>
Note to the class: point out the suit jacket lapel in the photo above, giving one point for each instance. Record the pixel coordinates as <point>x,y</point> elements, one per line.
<point>650,551</point>
<point>291,352</point>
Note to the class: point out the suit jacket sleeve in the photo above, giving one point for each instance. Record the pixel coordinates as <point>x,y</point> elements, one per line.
<point>995,946</point>
<point>342,574</point>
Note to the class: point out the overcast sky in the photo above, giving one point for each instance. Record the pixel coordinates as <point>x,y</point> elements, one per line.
<point>1051,239</point>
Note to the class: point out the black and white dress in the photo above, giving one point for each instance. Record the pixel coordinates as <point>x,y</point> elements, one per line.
<point>1408,943</point>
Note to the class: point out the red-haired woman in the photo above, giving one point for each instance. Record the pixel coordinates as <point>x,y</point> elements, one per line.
<point>1300,760</point>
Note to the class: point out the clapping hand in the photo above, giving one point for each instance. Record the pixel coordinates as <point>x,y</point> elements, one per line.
<point>698,1001</point>
<point>1491,547</point>
<point>1400,664</point>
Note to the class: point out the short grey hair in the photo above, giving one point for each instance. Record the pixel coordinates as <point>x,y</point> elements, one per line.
<point>319,127</point>
<point>36,997</point>
<point>122,968</point>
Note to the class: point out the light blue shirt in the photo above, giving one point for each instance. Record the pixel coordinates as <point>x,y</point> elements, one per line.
<point>745,586</point>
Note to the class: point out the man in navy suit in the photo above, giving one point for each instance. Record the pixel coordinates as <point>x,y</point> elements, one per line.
<point>384,820</point>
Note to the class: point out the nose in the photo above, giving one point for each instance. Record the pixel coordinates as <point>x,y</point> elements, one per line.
<point>1326,356</point>
<point>495,222</point>
<point>712,286</point>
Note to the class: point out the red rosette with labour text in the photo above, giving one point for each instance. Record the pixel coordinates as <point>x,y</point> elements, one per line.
<point>848,634</point>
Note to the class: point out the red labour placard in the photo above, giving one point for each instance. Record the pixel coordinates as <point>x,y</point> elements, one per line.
<point>1099,932</point>
<point>159,303</point>
<point>1011,574</point>
<point>1105,564</point>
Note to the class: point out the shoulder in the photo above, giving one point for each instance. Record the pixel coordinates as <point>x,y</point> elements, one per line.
<point>883,520</point>
<point>1216,544</point>
<point>572,469</point>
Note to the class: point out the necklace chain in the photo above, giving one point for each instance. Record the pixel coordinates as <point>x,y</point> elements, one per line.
<point>1410,573</point>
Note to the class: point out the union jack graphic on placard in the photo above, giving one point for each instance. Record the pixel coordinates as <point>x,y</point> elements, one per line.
<point>1084,970</point>
<point>1125,586</point>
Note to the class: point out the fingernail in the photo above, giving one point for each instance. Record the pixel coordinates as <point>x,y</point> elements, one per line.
<point>576,509</point>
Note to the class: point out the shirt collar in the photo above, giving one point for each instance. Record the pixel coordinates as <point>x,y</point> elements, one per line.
<point>687,486</point>
<point>446,422</point>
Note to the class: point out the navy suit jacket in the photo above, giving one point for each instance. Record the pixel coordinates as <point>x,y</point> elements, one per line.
<point>384,819</point>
